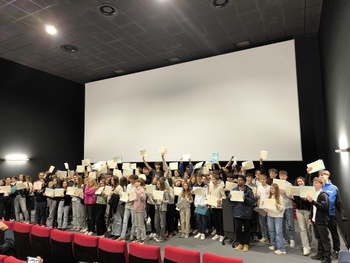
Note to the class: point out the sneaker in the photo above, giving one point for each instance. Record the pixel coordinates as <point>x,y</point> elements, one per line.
<point>198,235</point>
<point>279,252</point>
<point>239,247</point>
<point>216,237</point>
<point>143,242</point>
<point>213,233</point>
<point>245,248</point>
<point>132,238</point>
<point>83,230</point>
<point>292,243</point>
<point>136,241</point>
<point>90,233</point>
<point>170,235</point>
<point>186,236</point>
<point>202,236</point>
<point>120,238</point>
<point>221,238</point>
<point>306,251</point>
<point>264,240</point>
<point>152,235</point>
<point>159,239</point>
<point>335,255</point>
<point>317,257</point>
<point>271,247</point>
<point>101,236</point>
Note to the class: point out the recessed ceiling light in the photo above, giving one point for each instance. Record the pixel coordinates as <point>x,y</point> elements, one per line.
<point>107,10</point>
<point>220,3</point>
<point>120,71</point>
<point>174,60</point>
<point>51,30</point>
<point>241,44</point>
<point>69,48</point>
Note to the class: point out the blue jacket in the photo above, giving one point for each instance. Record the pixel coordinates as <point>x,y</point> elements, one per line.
<point>244,210</point>
<point>334,199</point>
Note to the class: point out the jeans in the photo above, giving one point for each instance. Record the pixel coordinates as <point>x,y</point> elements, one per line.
<point>288,220</point>
<point>79,214</point>
<point>40,213</point>
<point>185,215</point>
<point>21,202</point>
<point>305,228</point>
<point>140,226</point>
<point>127,213</point>
<point>276,232</point>
<point>52,205</point>
<point>62,215</point>
<point>202,223</point>
<point>117,221</point>
<point>160,222</point>
<point>263,226</point>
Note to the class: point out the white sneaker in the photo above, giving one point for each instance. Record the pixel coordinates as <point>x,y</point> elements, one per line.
<point>292,243</point>
<point>83,230</point>
<point>151,235</point>
<point>271,247</point>
<point>90,233</point>
<point>202,236</point>
<point>198,235</point>
<point>216,237</point>
<point>221,238</point>
<point>213,233</point>
<point>306,251</point>
<point>279,252</point>
<point>264,240</point>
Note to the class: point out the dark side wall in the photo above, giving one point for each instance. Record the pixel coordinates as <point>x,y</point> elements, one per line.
<point>41,116</point>
<point>335,58</point>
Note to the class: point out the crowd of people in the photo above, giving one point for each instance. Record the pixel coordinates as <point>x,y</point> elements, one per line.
<point>120,208</point>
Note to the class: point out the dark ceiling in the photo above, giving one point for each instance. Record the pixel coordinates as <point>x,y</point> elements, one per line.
<point>145,34</point>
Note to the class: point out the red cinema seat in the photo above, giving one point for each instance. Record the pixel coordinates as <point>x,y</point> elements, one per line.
<point>112,251</point>
<point>211,258</point>
<point>13,260</point>
<point>21,232</point>
<point>62,246</point>
<point>2,258</point>
<point>144,253</point>
<point>85,248</point>
<point>40,242</point>
<point>179,255</point>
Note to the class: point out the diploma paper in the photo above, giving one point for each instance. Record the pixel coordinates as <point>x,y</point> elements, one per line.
<point>292,190</point>
<point>174,166</point>
<point>182,203</point>
<point>253,189</point>
<point>307,190</point>
<point>85,162</point>
<point>234,160</point>
<point>143,152</point>
<point>66,165</point>
<point>59,192</point>
<point>236,196</point>
<point>205,170</point>
<point>133,166</point>
<point>215,157</point>
<point>70,190</point>
<point>62,174</point>
<point>126,166</point>
<point>269,204</point>
<point>208,164</point>
<point>92,175</point>
<point>230,185</point>
<point>79,192</point>
<point>127,172</point>
<point>117,173</point>
<point>102,169</point>
<point>158,195</point>
<point>108,190</point>
<point>80,169</point>
<point>37,185</point>
<point>150,188</point>
<point>117,159</point>
<point>51,168</point>
<point>88,169</point>
<point>162,150</point>
<point>281,183</point>
<point>49,192</point>
<point>21,185</point>
<point>111,164</point>
<point>5,189</point>
<point>248,165</point>
<point>177,190</point>
<point>124,197</point>
<point>212,200</point>
<point>132,196</point>
<point>316,166</point>
<point>99,191</point>
<point>263,155</point>
<point>186,157</point>
<point>198,165</point>
<point>197,191</point>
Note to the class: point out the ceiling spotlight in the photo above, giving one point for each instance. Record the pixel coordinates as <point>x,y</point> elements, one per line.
<point>16,158</point>
<point>220,3</point>
<point>51,30</point>
<point>107,10</point>
<point>242,44</point>
<point>120,71</point>
<point>174,60</point>
<point>69,48</point>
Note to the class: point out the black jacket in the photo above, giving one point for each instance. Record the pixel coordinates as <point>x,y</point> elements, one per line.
<point>322,212</point>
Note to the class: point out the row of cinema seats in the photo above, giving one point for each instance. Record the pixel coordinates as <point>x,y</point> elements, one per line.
<point>56,246</point>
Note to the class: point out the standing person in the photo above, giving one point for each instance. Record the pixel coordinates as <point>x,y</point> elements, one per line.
<point>160,210</point>
<point>243,213</point>
<point>288,217</point>
<point>154,172</point>
<point>151,210</point>
<point>185,211</point>
<point>140,207</point>
<point>216,189</point>
<point>40,201</point>
<point>334,203</point>
<point>101,206</point>
<point>117,213</point>
<point>303,215</point>
<point>263,191</point>
<point>199,200</point>
<point>5,201</point>
<point>275,220</point>
<point>52,204</point>
<point>90,204</point>
<point>63,208</point>
<point>319,217</point>
<point>129,210</point>
<point>20,202</point>
<point>78,207</point>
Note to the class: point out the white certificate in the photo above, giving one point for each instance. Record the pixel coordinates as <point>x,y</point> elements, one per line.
<point>158,195</point>
<point>281,183</point>
<point>182,203</point>
<point>70,190</point>
<point>126,166</point>
<point>186,157</point>
<point>80,168</point>
<point>111,164</point>
<point>124,197</point>
<point>236,196</point>
<point>103,169</point>
<point>143,152</point>
<point>21,185</point>
<point>197,191</point>
<point>150,188</point>
<point>307,190</point>
<point>127,172</point>
<point>163,149</point>
<point>247,165</point>
<point>269,204</point>
<point>253,189</point>
<point>62,174</point>
<point>230,185</point>
<point>177,190</point>
<point>79,192</point>
<point>85,162</point>
<point>49,192</point>
<point>263,154</point>
<point>174,166</point>
<point>92,175</point>
<point>37,185</point>
<point>133,166</point>
<point>316,166</point>
<point>117,159</point>
<point>198,165</point>
<point>51,168</point>
<point>212,200</point>
<point>117,173</point>
<point>66,165</point>
<point>292,190</point>
<point>99,191</point>
<point>108,190</point>
<point>5,189</point>
<point>59,192</point>
<point>132,196</point>
<point>208,164</point>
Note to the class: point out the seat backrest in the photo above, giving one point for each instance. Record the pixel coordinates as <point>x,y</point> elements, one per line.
<point>211,258</point>
<point>85,248</point>
<point>21,232</point>
<point>40,242</point>
<point>179,255</point>
<point>112,251</point>
<point>344,257</point>
<point>143,253</point>
<point>2,258</point>
<point>62,241</point>
<point>41,231</point>
<point>13,260</point>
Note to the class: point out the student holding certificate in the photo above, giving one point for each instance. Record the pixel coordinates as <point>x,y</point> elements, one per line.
<point>5,201</point>
<point>101,206</point>
<point>243,213</point>
<point>40,201</point>
<point>90,204</point>
<point>200,204</point>
<point>274,206</point>
<point>185,199</point>
<point>52,203</point>
<point>20,202</point>
<point>63,208</point>
<point>139,207</point>
<point>78,208</point>
<point>117,221</point>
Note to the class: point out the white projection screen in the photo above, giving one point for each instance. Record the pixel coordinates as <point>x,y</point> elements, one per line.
<point>234,104</point>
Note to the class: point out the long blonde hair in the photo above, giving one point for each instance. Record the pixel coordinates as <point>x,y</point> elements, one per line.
<point>276,194</point>
<point>186,193</point>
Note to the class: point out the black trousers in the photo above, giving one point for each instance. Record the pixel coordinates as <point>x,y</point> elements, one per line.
<point>332,226</point>
<point>218,221</point>
<point>323,242</point>
<point>242,237</point>
<point>170,218</point>
<point>101,228</point>
<point>5,207</point>
<point>151,213</point>
<point>91,217</point>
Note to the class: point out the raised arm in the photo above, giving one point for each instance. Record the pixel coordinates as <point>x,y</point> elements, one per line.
<point>146,164</point>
